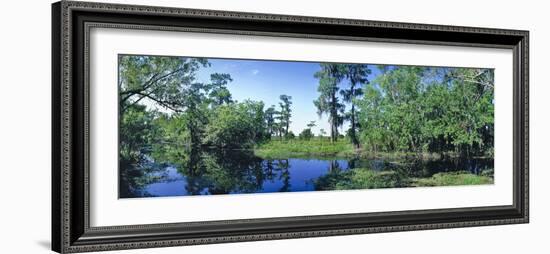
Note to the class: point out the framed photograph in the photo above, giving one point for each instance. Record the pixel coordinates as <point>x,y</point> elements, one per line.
<point>181,126</point>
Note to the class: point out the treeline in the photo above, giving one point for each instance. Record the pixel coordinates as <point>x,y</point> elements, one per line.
<point>410,109</point>
<point>164,109</point>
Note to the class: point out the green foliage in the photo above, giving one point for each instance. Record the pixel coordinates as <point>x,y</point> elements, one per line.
<point>173,138</point>
<point>270,114</point>
<point>285,113</point>
<point>290,135</point>
<point>219,94</point>
<point>453,178</point>
<point>423,109</point>
<point>161,80</point>
<point>136,132</point>
<point>306,134</point>
<point>237,125</point>
<point>364,178</point>
<point>328,102</point>
<point>193,114</point>
<point>279,149</point>
<point>357,76</point>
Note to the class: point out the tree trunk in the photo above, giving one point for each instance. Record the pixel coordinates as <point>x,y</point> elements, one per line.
<point>352,131</point>
<point>353,134</point>
<point>334,119</point>
<point>287,125</point>
<point>333,132</point>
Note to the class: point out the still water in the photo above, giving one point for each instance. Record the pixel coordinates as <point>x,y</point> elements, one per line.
<point>233,172</point>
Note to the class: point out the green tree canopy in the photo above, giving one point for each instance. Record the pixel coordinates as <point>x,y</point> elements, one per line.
<point>162,80</point>
<point>328,102</point>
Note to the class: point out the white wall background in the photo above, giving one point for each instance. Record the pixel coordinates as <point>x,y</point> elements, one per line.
<point>25,125</point>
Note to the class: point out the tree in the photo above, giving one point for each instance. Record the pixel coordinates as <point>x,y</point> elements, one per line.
<point>306,134</point>
<point>374,128</point>
<point>322,133</point>
<point>160,80</point>
<point>270,120</point>
<point>285,113</point>
<point>196,110</point>
<point>236,125</point>
<point>279,125</point>
<point>329,77</point>
<point>136,132</point>
<point>396,105</point>
<point>471,109</point>
<point>219,94</point>
<point>256,115</point>
<point>290,135</point>
<point>424,109</point>
<point>357,76</point>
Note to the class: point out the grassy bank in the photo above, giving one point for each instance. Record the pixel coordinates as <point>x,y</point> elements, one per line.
<point>362,178</point>
<point>277,149</point>
<point>295,148</point>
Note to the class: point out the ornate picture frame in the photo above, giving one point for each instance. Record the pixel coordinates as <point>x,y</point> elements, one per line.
<point>71,228</point>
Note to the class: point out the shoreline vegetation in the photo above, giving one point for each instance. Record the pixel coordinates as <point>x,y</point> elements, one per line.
<point>322,147</point>
<point>398,114</point>
<point>363,178</point>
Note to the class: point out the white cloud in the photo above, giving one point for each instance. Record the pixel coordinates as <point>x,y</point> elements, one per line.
<point>255,71</point>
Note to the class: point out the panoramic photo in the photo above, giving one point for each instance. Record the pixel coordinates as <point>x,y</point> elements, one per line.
<point>208,126</point>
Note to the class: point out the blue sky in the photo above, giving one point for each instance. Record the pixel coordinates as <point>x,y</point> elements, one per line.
<point>265,81</point>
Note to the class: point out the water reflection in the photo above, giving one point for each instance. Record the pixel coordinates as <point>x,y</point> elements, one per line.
<point>236,171</point>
